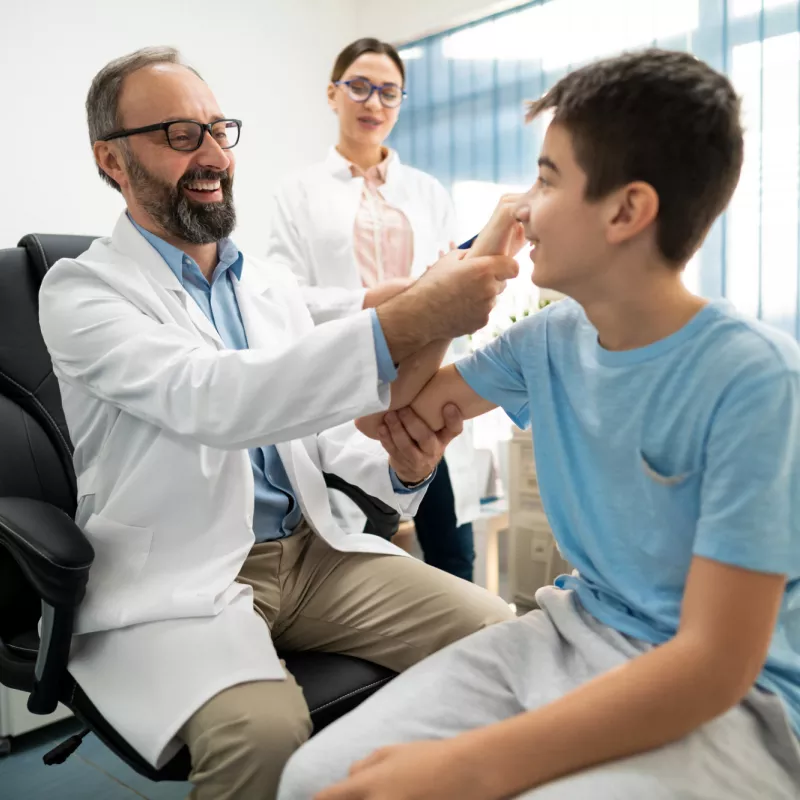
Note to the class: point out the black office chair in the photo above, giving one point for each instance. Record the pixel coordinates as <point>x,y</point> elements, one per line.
<point>45,558</point>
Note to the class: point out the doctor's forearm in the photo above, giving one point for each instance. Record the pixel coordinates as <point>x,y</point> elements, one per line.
<point>409,322</point>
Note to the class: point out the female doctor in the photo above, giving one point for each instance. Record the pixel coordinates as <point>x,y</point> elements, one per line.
<point>356,229</point>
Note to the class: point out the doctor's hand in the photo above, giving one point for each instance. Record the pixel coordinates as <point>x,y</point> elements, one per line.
<point>443,253</point>
<point>456,295</point>
<point>414,449</point>
<point>503,234</point>
<point>453,298</point>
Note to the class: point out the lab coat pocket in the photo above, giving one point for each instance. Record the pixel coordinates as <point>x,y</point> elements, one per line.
<point>672,502</point>
<point>120,552</point>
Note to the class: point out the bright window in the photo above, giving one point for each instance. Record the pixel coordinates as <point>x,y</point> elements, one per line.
<point>463,122</point>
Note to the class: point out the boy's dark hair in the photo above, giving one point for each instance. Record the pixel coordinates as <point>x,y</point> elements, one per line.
<point>662,117</point>
<point>359,48</point>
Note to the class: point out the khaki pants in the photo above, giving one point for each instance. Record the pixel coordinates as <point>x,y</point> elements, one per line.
<point>390,610</point>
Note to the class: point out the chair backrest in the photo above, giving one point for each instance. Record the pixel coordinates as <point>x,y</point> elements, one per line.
<point>35,450</point>
<point>36,462</point>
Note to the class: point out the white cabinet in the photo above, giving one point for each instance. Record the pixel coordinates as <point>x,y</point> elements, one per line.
<point>534,560</point>
<point>15,719</point>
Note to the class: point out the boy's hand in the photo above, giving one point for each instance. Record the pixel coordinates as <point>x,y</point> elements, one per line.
<point>386,291</point>
<point>503,234</point>
<point>417,771</point>
<point>414,449</point>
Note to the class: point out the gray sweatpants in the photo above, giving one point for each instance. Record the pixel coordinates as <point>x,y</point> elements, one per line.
<point>748,753</point>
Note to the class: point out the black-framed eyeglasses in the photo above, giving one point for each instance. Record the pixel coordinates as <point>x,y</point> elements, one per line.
<point>186,135</point>
<point>360,90</point>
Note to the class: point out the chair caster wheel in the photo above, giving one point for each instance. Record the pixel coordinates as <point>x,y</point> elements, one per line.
<point>5,746</point>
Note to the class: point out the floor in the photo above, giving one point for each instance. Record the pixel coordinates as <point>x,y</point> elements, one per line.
<point>92,772</point>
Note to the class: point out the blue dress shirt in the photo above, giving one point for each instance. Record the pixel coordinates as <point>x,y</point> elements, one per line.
<point>276,513</point>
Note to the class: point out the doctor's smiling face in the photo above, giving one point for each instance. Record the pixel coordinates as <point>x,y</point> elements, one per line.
<point>183,195</point>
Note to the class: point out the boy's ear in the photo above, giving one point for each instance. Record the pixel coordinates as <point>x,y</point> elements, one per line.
<point>632,209</point>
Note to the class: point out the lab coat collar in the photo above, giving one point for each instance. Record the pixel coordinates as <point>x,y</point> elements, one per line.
<point>254,279</point>
<point>129,242</point>
<point>228,254</point>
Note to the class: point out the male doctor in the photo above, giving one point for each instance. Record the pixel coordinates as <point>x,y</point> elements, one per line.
<point>198,393</point>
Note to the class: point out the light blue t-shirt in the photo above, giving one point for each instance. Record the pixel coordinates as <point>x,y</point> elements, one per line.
<point>646,457</point>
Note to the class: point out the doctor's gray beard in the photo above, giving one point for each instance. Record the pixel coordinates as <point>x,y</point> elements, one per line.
<point>172,210</point>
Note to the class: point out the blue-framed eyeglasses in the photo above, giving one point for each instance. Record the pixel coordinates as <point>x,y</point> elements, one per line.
<point>359,90</point>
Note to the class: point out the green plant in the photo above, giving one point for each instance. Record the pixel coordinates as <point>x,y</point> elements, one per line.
<point>525,313</point>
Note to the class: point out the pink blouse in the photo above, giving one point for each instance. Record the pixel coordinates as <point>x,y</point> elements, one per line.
<point>383,239</point>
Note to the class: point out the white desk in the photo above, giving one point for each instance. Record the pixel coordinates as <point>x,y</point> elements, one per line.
<point>487,529</point>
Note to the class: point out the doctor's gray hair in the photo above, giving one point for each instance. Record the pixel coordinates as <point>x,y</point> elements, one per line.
<point>102,102</point>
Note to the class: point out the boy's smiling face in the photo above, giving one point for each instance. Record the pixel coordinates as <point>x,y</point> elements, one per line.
<point>586,248</point>
<point>568,232</point>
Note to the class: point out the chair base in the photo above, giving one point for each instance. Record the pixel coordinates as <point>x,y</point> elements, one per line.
<point>60,753</point>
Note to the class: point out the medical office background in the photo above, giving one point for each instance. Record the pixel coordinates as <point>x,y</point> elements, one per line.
<point>471,65</point>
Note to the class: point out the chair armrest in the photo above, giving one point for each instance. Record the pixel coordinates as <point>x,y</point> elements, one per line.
<point>384,520</point>
<point>55,556</point>
<point>51,550</point>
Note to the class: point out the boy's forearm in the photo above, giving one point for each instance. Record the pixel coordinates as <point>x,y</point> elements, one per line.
<point>656,699</point>
<point>413,374</point>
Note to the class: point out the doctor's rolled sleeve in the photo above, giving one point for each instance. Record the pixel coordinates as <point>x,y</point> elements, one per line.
<point>386,369</point>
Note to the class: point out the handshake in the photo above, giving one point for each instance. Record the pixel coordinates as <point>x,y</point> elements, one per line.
<point>456,295</point>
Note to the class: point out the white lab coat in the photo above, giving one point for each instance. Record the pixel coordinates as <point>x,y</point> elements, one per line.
<point>311,232</point>
<point>161,416</point>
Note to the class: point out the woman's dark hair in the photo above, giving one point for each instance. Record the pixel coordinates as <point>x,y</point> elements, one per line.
<point>358,49</point>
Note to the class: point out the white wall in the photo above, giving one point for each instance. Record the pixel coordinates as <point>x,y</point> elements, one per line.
<point>266,60</point>
<point>413,19</point>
